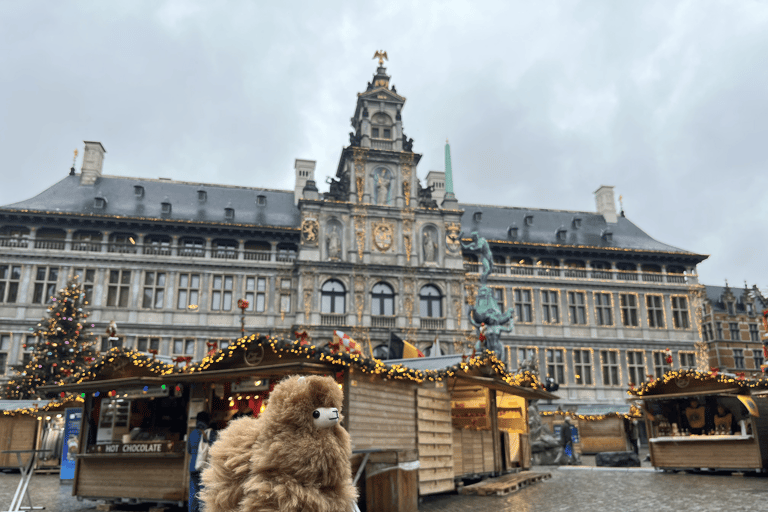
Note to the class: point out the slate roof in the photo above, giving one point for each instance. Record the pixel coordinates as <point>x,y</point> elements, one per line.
<point>715,296</point>
<point>68,196</point>
<point>495,222</point>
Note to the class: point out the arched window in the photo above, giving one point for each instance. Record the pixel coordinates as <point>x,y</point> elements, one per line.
<point>382,300</point>
<point>332,297</point>
<point>430,302</point>
<point>381,351</point>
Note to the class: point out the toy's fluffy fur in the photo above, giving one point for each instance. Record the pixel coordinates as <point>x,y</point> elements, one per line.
<point>281,461</point>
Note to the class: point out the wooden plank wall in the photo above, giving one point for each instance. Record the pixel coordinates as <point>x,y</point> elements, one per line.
<point>606,435</point>
<point>382,414</point>
<point>16,433</point>
<point>435,441</point>
<point>472,452</point>
<point>707,454</point>
<point>145,478</point>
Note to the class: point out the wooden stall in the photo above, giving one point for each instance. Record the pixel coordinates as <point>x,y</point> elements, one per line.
<point>18,431</point>
<point>702,421</point>
<point>596,432</point>
<point>407,419</point>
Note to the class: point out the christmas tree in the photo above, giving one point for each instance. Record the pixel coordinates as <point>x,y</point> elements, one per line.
<point>63,346</point>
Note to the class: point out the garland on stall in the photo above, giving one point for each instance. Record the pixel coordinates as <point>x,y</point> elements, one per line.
<point>138,359</point>
<point>713,375</point>
<point>367,365</point>
<point>634,412</point>
<point>35,410</point>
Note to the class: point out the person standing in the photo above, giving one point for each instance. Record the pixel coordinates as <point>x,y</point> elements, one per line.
<point>634,435</point>
<point>193,443</point>
<point>566,439</point>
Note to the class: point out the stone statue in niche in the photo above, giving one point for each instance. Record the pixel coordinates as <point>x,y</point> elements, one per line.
<point>382,183</point>
<point>430,247</point>
<point>334,244</point>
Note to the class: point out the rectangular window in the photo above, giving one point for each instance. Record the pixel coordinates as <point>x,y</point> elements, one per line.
<point>29,346</point>
<point>119,288</point>
<point>603,310</point>
<point>498,296</point>
<point>754,333</point>
<point>704,332</point>
<point>154,290</point>
<point>660,365</point>
<point>738,358</point>
<point>285,295</point>
<point>524,305</point>
<point>757,355</point>
<point>5,346</point>
<point>636,367</point>
<point>86,276</point>
<point>184,347</point>
<point>549,306</point>
<point>687,359</point>
<point>680,312</point>
<point>577,307</point>
<point>582,366</point>
<point>45,284</point>
<point>655,305</point>
<point>556,364</point>
<point>250,289</point>
<point>221,292</point>
<point>610,365</point>
<point>9,282</point>
<point>628,306</point>
<point>146,344</point>
<point>374,133</point>
<point>108,343</point>
<point>734,328</point>
<point>719,326</point>
<point>189,291</point>
<point>527,354</point>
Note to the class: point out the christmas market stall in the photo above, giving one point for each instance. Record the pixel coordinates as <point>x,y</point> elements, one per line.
<point>705,421</point>
<point>134,420</point>
<point>595,430</point>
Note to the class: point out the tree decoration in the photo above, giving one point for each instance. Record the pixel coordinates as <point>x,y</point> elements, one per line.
<point>62,348</point>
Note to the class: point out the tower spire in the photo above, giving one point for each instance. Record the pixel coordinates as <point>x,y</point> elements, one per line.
<point>449,200</point>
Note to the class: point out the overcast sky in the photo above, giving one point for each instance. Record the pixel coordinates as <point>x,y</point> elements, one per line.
<point>543,102</point>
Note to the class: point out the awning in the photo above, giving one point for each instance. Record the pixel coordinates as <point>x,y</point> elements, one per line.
<point>725,391</point>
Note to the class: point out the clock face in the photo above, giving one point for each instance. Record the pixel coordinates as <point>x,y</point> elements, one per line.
<point>254,356</point>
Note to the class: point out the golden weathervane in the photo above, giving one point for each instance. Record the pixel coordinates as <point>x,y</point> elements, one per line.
<point>381,55</point>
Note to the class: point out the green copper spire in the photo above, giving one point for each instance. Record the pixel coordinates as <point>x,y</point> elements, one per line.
<point>448,170</point>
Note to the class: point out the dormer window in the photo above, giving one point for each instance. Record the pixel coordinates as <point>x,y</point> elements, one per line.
<point>561,234</point>
<point>607,235</point>
<point>261,200</point>
<point>381,126</point>
<point>202,196</point>
<point>750,309</point>
<point>528,219</point>
<point>99,203</point>
<point>729,305</point>
<point>477,216</point>
<point>138,191</point>
<point>512,231</point>
<point>165,207</point>
<point>229,213</point>
<point>576,222</point>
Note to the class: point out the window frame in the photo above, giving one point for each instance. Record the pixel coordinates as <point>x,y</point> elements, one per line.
<point>9,283</point>
<point>430,301</point>
<point>610,366</point>
<point>548,306</point>
<point>45,288</point>
<point>156,290</point>
<point>754,332</point>
<point>629,311</point>
<point>574,307</point>
<point>738,357</point>
<point>660,366</point>
<point>681,318</point>
<point>526,351</point>
<point>684,356</point>
<point>333,296</point>
<point>552,364</point>
<point>186,343</point>
<point>656,314</point>
<point>382,299</point>
<point>734,331</point>
<point>603,312</point>
<point>635,366</point>
<point>524,312</point>
<point>188,290</point>
<point>120,289</point>
<point>579,366</point>
<point>225,293</point>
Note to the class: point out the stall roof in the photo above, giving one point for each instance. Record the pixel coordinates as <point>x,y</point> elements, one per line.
<point>682,383</point>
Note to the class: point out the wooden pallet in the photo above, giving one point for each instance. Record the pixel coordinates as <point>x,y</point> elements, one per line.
<point>506,484</point>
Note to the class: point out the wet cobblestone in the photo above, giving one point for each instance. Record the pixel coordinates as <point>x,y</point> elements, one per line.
<point>569,489</point>
<point>593,490</point>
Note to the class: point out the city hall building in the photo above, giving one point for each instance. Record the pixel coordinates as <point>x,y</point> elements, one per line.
<point>597,300</point>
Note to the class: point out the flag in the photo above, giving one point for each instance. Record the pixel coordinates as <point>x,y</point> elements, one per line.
<point>343,344</point>
<point>401,349</point>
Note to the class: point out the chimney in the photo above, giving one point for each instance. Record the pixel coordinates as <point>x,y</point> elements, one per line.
<point>606,204</point>
<point>305,171</point>
<point>93,158</point>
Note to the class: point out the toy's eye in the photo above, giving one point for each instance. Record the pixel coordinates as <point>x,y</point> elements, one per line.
<point>316,414</point>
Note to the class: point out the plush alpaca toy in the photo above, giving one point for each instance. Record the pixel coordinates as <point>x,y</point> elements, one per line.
<point>293,458</point>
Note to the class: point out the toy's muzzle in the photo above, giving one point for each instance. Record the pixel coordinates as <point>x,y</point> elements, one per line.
<point>325,417</point>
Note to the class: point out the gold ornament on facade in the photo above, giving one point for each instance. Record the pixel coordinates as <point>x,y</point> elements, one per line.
<point>381,55</point>
<point>360,157</point>
<point>309,231</point>
<point>452,243</point>
<point>360,235</point>
<point>383,235</point>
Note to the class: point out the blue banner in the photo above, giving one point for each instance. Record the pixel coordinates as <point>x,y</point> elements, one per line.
<point>70,446</point>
